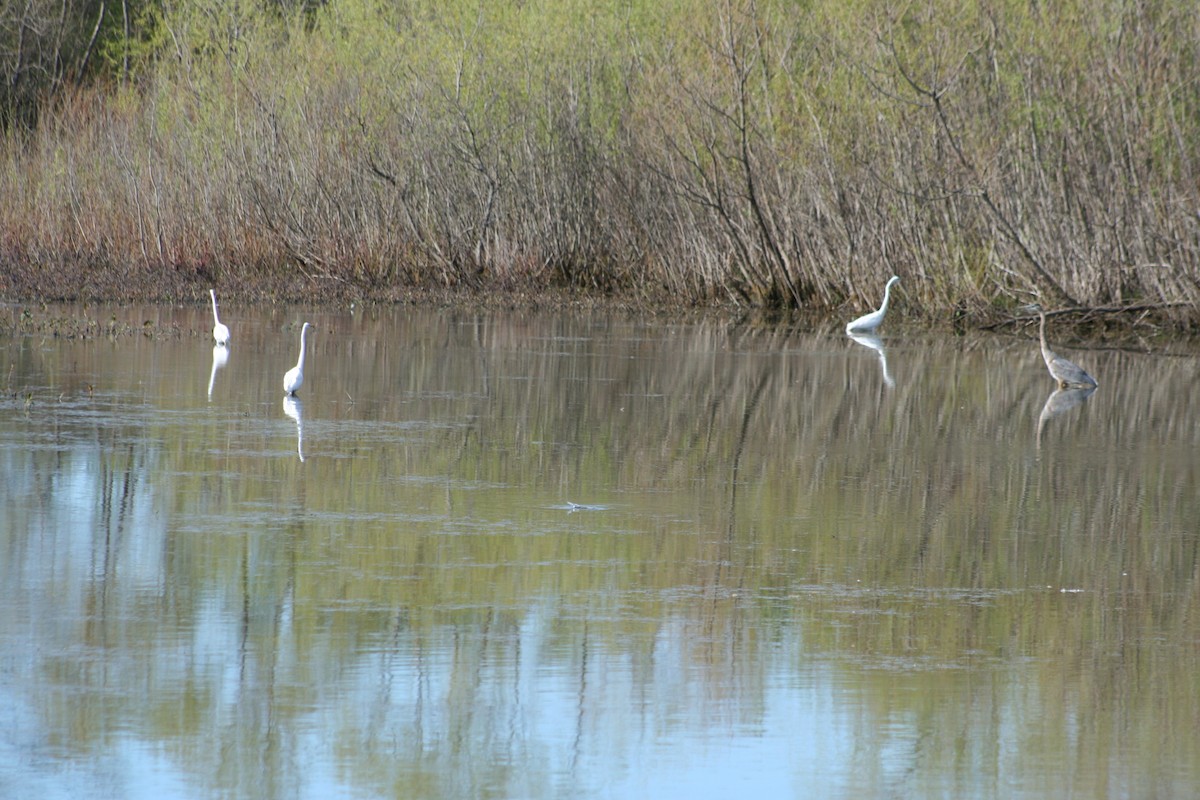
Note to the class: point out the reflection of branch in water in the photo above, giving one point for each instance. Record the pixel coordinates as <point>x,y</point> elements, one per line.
<point>220,356</point>
<point>726,555</point>
<point>875,343</point>
<point>293,408</point>
<point>1059,402</point>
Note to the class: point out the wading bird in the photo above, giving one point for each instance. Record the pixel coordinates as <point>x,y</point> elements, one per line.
<point>220,330</point>
<point>869,322</point>
<point>294,377</point>
<point>1068,375</point>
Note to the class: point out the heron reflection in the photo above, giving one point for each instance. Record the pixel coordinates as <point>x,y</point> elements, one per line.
<point>875,343</point>
<point>220,356</point>
<point>293,408</point>
<point>1059,402</point>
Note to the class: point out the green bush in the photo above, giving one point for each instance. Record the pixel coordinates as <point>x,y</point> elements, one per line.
<point>772,152</point>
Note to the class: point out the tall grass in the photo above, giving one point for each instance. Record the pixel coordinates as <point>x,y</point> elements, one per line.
<point>769,153</point>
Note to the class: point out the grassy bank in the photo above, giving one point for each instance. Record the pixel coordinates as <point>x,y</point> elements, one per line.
<point>772,153</point>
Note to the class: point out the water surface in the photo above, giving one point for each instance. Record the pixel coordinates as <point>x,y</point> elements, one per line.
<point>580,555</point>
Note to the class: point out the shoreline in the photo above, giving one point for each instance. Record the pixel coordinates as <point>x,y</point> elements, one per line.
<point>1139,328</point>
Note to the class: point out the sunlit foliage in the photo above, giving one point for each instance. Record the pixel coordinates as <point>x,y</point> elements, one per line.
<point>771,152</point>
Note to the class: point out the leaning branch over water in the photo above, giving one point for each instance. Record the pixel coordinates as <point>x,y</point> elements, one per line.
<point>1084,313</point>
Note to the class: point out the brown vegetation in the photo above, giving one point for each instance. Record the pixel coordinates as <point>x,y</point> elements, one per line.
<point>746,153</point>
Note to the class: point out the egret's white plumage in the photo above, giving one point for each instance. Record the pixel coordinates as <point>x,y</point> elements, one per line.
<point>220,330</point>
<point>294,377</point>
<point>869,322</point>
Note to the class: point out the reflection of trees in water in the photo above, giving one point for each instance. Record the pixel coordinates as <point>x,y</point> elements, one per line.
<point>82,552</point>
<point>771,507</point>
<point>794,444</point>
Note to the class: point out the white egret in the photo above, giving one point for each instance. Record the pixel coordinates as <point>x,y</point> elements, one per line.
<point>869,322</point>
<point>1068,375</point>
<point>220,330</point>
<point>294,377</point>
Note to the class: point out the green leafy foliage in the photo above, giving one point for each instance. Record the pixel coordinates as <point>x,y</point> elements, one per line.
<point>769,152</point>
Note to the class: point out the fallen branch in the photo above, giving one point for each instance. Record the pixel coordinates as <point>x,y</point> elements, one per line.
<point>1087,311</point>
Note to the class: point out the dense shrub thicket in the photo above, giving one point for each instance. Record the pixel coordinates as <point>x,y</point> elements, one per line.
<point>776,152</point>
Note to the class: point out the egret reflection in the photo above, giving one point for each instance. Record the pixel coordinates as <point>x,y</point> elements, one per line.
<point>1059,402</point>
<point>220,356</point>
<point>875,343</point>
<point>293,408</point>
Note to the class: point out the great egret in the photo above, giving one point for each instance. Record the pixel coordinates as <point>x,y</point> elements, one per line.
<point>869,322</point>
<point>1068,375</point>
<point>294,377</point>
<point>220,330</point>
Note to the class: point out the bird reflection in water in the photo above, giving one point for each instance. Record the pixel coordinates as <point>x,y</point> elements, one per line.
<point>875,343</point>
<point>1059,402</point>
<point>220,356</point>
<point>293,408</point>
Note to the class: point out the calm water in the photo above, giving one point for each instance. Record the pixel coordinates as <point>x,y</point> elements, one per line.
<point>575,555</point>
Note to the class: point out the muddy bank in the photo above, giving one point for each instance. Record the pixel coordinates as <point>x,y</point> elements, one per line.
<point>31,293</point>
<point>679,155</point>
<point>54,301</point>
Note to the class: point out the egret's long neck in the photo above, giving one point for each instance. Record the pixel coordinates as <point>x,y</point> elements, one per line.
<point>887,292</point>
<point>214,299</point>
<point>300,360</point>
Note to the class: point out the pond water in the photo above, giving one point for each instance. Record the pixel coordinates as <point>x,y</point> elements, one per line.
<point>528,555</point>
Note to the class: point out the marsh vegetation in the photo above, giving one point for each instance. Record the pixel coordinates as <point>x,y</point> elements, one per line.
<point>756,153</point>
<point>562,554</point>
